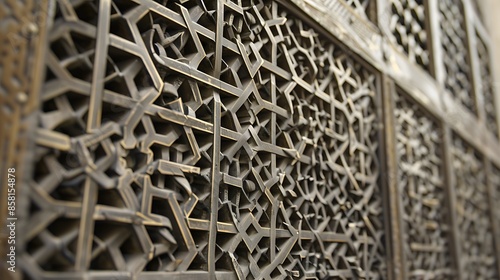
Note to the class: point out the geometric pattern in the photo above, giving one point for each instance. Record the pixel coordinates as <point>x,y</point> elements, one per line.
<point>203,139</point>
<point>486,85</point>
<point>477,253</point>
<point>408,25</point>
<point>421,183</point>
<point>455,53</point>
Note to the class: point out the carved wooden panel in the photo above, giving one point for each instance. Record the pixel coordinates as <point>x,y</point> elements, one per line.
<point>455,53</point>
<point>256,139</point>
<point>422,187</point>
<point>203,139</point>
<point>409,29</point>
<point>472,209</point>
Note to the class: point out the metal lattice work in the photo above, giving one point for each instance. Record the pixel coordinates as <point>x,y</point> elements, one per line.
<point>408,25</point>
<point>486,85</point>
<point>421,183</point>
<point>217,139</point>
<point>455,53</point>
<point>472,209</point>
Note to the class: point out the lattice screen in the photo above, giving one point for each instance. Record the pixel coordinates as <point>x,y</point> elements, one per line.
<point>250,139</point>
<point>456,53</point>
<point>422,185</point>
<point>409,29</point>
<point>472,209</point>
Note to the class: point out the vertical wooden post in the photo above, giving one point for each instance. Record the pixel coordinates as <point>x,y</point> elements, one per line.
<point>397,258</point>
<point>451,195</point>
